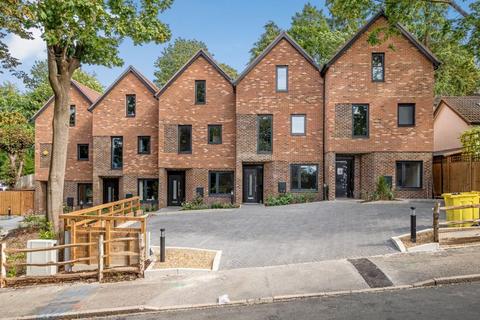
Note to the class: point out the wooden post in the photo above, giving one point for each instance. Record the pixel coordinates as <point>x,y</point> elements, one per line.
<point>100,258</point>
<point>73,238</point>
<point>141,257</point>
<point>470,172</point>
<point>107,246</point>
<point>3,260</point>
<point>436,216</point>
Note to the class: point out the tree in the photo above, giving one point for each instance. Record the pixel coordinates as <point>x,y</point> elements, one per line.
<point>471,141</point>
<point>271,32</point>
<point>16,137</point>
<point>76,32</point>
<point>11,99</point>
<point>176,54</point>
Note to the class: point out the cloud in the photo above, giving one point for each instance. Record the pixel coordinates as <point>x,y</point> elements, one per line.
<point>26,49</point>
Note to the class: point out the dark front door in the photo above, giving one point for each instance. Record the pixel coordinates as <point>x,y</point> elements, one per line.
<point>253,184</point>
<point>110,190</point>
<point>343,178</point>
<point>176,188</point>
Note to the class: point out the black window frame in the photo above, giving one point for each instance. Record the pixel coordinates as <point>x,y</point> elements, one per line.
<point>221,133</point>
<point>80,145</point>
<point>367,135</point>
<point>139,180</point>
<point>196,92</point>
<point>403,105</point>
<point>111,152</point>
<point>74,107</point>
<point>259,116</point>
<point>382,55</point>
<point>134,107</point>
<point>217,179</point>
<point>304,124</point>
<point>179,140</point>
<point>139,138</point>
<point>402,162</point>
<point>299,187</point>
<point>78,192</point>
<point>277,67</point>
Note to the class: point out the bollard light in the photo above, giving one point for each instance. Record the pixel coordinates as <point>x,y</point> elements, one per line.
<point>413,225</point>
<point>9,212</point>
<point>162,245</point>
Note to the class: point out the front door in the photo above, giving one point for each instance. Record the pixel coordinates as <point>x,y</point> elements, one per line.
<point>343,178</point>
<point>110,190</point>
<point>176,188</point>
<point>253,184</point>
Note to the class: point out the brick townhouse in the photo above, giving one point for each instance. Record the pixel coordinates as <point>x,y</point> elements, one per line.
<point>284,125</point>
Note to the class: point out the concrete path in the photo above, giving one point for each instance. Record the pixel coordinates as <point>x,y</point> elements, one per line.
<point>240,284</point>
<point>257,236</point>
<point>9,223</point>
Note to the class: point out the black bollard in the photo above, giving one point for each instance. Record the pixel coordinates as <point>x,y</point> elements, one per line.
<point>413,225</point>
<point>162,245</point>
<point>9,212</point>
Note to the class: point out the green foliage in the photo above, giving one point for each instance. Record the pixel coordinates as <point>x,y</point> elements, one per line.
<point>222,205</point>
<point>195,204</point>
<point>290,198</point>
<point>471,141</point>
<point>40,223</point>
<point>382,190</point>
<point>271,31</point>
<point>176,54</point>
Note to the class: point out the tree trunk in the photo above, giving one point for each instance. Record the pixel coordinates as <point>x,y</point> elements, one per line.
<point>13,168</point>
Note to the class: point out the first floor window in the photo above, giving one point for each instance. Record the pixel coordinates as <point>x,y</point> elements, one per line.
<point>406,115</point>
<point>409,174</point>
<point>378,67</point>
<point>184,139</point>
<point>82,152</point>
<point>221,183</point>
<point>144,145</point>
<point>73,115</point>
<point>298,124</point>
<point>360,120</point>
<point>117,152</point>
<point>85,194</point>
<point>130,105</point>
<point>214,134</point>
<point>200,91</point>
<point>303,177</point>
<point>282,78</point>
<point>265,133</point>
<point>148,189</point>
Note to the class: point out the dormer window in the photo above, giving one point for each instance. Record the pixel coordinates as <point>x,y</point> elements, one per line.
<point>200,91</point>
<point>282,78</point>
<point>130,105</point>
<point>378,67</point>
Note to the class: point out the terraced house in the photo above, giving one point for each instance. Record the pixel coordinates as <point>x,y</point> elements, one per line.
<point>284,125</point>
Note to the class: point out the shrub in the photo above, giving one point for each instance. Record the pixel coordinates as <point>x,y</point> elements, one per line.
<point>45,227</point>
<point>195,204</point>
<point>289,198</point>
<point>222,205</point>
<point>383,190</point>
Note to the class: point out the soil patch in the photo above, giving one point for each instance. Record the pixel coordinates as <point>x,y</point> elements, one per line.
<point>422,238</point>
<point>185,258</point>
<point>17,239</point>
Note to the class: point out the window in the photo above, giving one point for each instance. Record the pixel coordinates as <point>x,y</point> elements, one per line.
<point>85,194</point>
<point>73,115</point>
<point>117,152</point>
<point>360,120</point>
<point>82,152</point>
<point>298,124</point>
<point>406,115</point>
<point>214,134</point>
<point>409,174</point>
<point>144,145</point>
<point>303,177</point>
<point>200,91</point>
<point>130,104</point>
<point>282,78</point>
<point>265,132</point>
<point>220,183</point>
<point>378,67</point>
<point>184,139</point>
<point>148,189</point>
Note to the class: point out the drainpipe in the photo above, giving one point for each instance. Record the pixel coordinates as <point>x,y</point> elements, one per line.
<point>325,192</point>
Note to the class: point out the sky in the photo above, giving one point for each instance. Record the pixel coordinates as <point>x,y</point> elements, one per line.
<point>228,27</point>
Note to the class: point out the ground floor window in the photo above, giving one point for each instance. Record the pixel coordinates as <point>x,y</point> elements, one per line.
<point>85,194</point>
<point>148,189</point>
<point>409,174</point>
<point>303,177</point>
<point>220,182</point>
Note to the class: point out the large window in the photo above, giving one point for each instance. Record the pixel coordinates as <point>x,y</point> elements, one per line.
<point>220,183</point>
<point>117,152</point>
<point>303,177</point>
<point>378,67</point>
<point>409,174</point>
<point>184,139</point>
<point>214,134</point>
<point>298,124</point>
<point>85,194</point>
<point>200,92</point>
<point>148,189</point>
<point>406,115</point>
<point>82,152</point>
<point>360,120</point>
<point>265,133</point>
<point>130,105</point>
<point>144,145</point>
<point>73,115</point>
<point>282,78</point>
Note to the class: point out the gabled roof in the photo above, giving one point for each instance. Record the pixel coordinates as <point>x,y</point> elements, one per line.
<point>89,94</point>
<point>280,37</point>
<point>466,107</point>
<point>426,52</point>
<point>149,84</point>
<point>200,53</point>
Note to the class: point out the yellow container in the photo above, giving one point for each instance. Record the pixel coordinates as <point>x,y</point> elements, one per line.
<point>461,199</point>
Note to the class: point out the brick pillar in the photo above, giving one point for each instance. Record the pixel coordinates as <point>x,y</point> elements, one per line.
<point>162,188</point>
<point>330,174</point>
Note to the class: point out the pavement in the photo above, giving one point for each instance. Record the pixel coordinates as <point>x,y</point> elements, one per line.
<point>257,236</point>
<point>9,223</point>
<point>243,286</point>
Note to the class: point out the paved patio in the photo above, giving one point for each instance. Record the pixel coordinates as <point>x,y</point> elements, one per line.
<point>255,236</point>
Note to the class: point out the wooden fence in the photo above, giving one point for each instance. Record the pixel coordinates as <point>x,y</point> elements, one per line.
<point>436,218</point>
<point>19,202</point>
<point>457,173</point>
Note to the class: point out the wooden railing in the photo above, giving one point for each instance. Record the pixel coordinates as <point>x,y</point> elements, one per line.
<point>436,218</point>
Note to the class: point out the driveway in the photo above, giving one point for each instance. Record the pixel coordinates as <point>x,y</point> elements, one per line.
<point>255,236</point>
